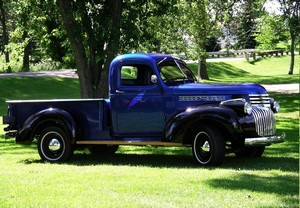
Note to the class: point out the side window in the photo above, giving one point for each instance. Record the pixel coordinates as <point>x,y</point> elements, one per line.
<point>136,75</point>
<point>129,72</point>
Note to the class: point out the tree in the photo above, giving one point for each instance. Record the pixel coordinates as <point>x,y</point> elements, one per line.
<point>200,18</point>
<point>34,33</point>
<point>24,10</point>
<point>151,26</point>
<point>99,30</point>
<point>5,37</point>
<point>212,44</point>
<point>244,21</point>
<point>49,34</point>
<point>291,15</point>
<point>93,29</point>
<point>199,29</point>
<point>271,30</point>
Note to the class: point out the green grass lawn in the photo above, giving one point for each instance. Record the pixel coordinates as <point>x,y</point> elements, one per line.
<point>26,88</point>
<point>146,176</point>
<point>265,71</point>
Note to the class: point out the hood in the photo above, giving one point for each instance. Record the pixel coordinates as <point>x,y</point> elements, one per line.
<point>218,89</point>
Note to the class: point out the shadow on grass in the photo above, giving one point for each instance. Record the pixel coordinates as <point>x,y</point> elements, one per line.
<point>26,88</point>
<point>285,186</point>
<point>179,161</point>
<point>275,157</point>
<point>220,70</point>
<point>290,102</point>
<point>225,72</point>
<point>10,147</point>
<point>253,62</point>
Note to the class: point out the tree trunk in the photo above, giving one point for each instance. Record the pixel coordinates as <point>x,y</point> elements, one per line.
<point>202,70</point>
<point>76,40</point>
<point>112,47</point>
<point>92,61</point>
<point>5,38</point>
<point>25,67</point>
<point>293,37</point>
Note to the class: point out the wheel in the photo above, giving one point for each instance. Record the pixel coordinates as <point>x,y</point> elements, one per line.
<point>209,146</point>
<point>104,149</point>
<point>54,145</point>
<point>250,152</point>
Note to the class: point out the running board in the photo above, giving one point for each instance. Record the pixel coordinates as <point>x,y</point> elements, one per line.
<point>152,143</point>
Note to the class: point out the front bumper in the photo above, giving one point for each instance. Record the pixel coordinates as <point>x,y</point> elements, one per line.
<point>263,141</point>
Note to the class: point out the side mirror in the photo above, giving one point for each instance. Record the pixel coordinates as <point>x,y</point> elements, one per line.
<point>153,79</point>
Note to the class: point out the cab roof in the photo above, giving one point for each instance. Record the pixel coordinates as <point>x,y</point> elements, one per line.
<point>157,57</point>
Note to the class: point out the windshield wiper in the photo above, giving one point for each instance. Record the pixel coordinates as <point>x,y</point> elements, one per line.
<point>161,61</point>
<point>178,65</point>
<point>188,74</point>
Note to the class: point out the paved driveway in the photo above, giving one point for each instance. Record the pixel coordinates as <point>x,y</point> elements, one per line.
<point>66,73</point>
<point>282,88</point>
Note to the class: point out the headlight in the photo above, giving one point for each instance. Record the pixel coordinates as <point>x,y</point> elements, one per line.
<point>275,107</point>
<point>247,108</point>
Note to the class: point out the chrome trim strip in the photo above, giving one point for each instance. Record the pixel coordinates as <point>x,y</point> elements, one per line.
<point>133,143</point>
<point>197,98</point>
<point>233,100</point>
<point>264,140</point>
<point>259,95</point>
<point>260,100</point>
<point>54,100</point>
<point>265,123</point>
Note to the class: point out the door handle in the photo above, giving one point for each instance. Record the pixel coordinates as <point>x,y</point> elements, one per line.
<point>120,91</point>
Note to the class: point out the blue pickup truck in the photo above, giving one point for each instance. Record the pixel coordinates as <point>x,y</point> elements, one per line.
<point>154,99</point>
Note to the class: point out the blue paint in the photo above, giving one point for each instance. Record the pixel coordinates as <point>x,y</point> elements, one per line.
<point>136,99</point>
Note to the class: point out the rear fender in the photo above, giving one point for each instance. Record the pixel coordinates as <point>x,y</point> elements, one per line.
<point>50,116</point>
<point>180,125</point>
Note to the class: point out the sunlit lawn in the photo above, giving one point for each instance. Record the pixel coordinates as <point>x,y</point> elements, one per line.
<point>264,71</point>
<point>146,176</point>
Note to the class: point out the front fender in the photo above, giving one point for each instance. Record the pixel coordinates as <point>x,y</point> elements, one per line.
<point>220,116</point>
<point>51,116</point>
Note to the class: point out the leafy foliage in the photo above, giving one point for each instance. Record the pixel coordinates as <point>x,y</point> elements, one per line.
<point>291,15</point>
<point>199,20</point>
<point>154,27</point>
<point>271,31</point>
<point>37,35</point>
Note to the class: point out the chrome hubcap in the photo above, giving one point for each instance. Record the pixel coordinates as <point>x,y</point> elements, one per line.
<point>205,147</point>
<point>54,145</point>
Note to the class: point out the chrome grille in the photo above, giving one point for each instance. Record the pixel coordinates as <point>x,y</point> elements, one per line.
<point>260,100</point>
<point>264,118</point>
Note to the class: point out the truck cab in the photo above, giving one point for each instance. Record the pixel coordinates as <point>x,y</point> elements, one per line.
<point>156,97</point>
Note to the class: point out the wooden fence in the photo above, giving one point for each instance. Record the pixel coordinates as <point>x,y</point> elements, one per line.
<point>247,53</point>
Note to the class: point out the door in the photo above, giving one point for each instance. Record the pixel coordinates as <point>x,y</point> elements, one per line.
<point>137,104</point>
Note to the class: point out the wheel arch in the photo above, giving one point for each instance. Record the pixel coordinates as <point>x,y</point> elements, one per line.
<point>182,127</point>
<point>47,117</point>
<point>190,131</point>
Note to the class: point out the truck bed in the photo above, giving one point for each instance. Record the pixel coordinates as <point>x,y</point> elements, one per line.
<point>90,115</point>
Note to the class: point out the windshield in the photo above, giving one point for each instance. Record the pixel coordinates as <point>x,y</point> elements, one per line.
<point>175,72</point>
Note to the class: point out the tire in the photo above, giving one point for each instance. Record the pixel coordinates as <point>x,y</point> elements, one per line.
<point>209,146</point>
<point>250,152</point>
<point>104,149</point>
<point>54,145</point>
